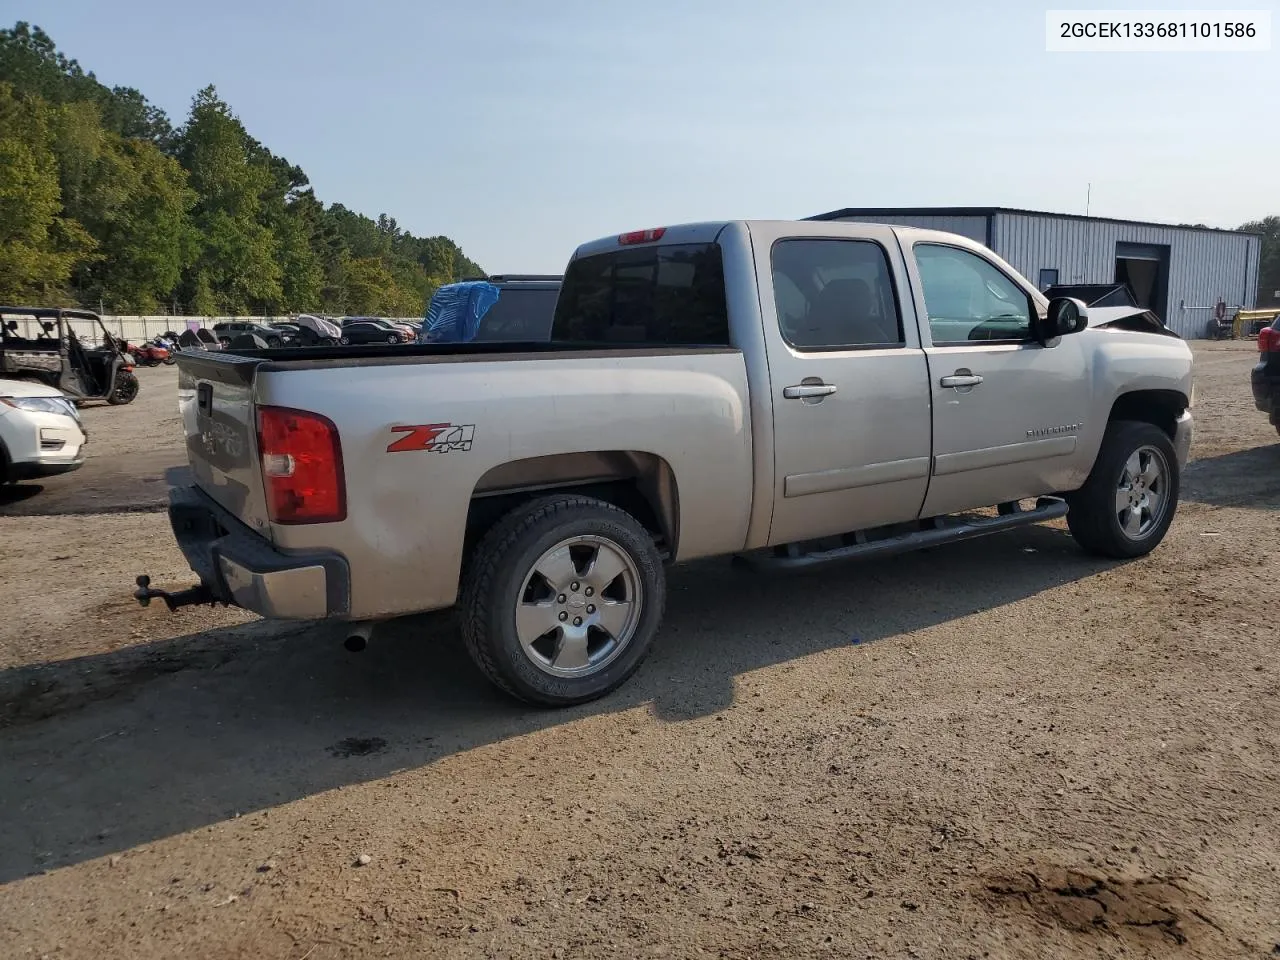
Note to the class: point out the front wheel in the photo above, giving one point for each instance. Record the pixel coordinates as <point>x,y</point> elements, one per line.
<point>345,341</point>
<point>392,338</point>
<point>562,600</point>
<point>1126,506</point>
<point>125,390</point>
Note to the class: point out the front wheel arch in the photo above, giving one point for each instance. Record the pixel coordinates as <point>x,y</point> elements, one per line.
<point>1160,408</point>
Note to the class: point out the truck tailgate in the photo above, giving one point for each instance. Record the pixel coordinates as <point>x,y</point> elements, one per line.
<point>216,400</point>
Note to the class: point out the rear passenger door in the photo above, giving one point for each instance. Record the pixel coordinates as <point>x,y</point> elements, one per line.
<point>848,376</point>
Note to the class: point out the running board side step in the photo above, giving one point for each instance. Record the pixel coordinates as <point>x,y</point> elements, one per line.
<point>933,532</point>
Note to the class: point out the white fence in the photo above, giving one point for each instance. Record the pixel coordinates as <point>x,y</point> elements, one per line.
<point>139,329</point>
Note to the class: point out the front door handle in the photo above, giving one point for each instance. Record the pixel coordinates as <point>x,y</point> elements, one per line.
<point>809,391</point>
<point>961,380</point>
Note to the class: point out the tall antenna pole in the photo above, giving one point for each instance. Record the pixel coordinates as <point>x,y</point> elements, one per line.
<point>1087,198</point>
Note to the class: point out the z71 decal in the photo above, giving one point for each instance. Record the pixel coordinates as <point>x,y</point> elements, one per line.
<point>433,437</point>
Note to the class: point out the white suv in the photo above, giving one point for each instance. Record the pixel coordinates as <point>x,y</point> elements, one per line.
<point>40,432</point>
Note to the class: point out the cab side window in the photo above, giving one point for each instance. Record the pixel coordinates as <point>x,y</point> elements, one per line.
<point>835,295</point>
<point>968,299</point>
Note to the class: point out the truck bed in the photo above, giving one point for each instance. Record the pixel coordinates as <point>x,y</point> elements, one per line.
<point>417,449</point>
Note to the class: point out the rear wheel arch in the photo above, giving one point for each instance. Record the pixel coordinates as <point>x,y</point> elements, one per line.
<point>643,484</point>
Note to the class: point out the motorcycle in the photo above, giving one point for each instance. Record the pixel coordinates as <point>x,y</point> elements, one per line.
<point>152,353</point>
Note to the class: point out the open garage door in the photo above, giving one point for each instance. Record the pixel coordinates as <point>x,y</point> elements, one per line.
<point>1145,268</point>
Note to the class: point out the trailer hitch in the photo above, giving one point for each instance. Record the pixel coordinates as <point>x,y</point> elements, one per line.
<point>181,598</point>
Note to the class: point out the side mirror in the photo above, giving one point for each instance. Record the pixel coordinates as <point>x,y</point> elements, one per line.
<point>1066,316</point>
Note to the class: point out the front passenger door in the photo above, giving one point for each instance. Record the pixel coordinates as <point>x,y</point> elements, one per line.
<point>1007,410</point>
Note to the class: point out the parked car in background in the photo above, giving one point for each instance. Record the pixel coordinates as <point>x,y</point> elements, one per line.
<point>368,331</point>
<point>316,331</point>
<point>407,333</point>
<point>230,329</point>
<point>40,432</point>
<point>795,393</point>
<point>507,308</point>
<point>1266,373</point>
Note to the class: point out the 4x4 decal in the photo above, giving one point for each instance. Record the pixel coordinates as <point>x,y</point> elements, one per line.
<point>433,437</point>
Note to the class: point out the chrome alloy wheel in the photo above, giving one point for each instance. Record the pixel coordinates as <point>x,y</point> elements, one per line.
<point>579,607</point>
<point>1142,496</point>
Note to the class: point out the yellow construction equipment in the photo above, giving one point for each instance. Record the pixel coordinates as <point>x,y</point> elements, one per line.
<point>1246,322</point>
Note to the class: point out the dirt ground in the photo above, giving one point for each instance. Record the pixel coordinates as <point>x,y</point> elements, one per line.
<point>1002,748</point>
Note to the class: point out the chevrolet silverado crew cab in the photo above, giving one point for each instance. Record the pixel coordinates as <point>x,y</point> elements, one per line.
<point>789,393</point>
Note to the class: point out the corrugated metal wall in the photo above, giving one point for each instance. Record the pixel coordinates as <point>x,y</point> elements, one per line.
<point>975,228</point>
<point>1203,265</point>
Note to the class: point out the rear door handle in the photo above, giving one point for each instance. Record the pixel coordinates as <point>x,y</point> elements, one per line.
<point>961,380</point>
<point>808,391</point>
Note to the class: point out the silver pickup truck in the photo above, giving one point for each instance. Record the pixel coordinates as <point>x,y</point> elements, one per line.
<point>789,393</point>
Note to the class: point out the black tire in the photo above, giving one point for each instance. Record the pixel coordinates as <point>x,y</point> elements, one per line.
<point>503,561</point>
<point>224,342</point>
<point>125,390</point>
<point>393,338</point>
<point>345,341</point>
<point>1093,517</point>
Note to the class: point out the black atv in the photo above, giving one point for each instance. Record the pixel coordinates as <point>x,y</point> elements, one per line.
<point>56,356</point>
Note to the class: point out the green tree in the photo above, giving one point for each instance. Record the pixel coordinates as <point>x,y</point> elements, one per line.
<point>102,201</point>
<point>32,63</point>
<point>236,268</point>
<point>150,239</point>
<point>38,247</point>
<point>1268,258</point>
<point>365,283</point>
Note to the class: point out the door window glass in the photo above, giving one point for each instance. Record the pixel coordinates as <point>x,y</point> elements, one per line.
<point>968,299</point>
<point>834,294</point>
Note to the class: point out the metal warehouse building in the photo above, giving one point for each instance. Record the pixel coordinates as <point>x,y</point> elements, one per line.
<point>1178,272</point>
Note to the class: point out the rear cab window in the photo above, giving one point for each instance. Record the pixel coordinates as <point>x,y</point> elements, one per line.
<point>659,295</point>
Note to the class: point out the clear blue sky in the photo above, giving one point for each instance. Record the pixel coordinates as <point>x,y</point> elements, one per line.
<point>521,129</point>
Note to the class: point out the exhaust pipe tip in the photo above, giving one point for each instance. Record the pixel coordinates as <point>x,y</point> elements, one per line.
<point>358,636</point>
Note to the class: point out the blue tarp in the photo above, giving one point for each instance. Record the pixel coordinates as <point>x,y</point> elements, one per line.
<point>455,311</point>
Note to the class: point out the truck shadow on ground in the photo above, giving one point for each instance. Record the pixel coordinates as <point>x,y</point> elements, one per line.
<point>1246,478</point>
<point>107,752</point>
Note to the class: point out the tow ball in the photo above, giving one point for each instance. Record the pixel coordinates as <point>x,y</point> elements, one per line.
<point>181,598</point>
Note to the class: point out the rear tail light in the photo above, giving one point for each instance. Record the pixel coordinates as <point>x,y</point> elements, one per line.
<point>1269,340</point>
<point>642,236</point>
<point>301,466</point>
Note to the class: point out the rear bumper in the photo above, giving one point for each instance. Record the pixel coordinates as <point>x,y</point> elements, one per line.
<point>1265,380</point>
<point>1183,430</point>
<point>241,568</point>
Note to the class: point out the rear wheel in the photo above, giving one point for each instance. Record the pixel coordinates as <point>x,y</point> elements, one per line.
<point>125,390</point>
<point>562,600</point>
<point>1126,506</point>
